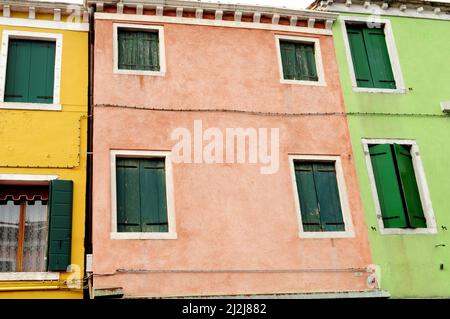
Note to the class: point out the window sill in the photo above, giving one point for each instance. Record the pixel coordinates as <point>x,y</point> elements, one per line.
<point>30,106</point>
<point>301,82</point>
<point>28,276</point>
<point>376,90</point>
<point>144,235</point>
<point>140,72</point>
<point>324,235</point>
<point>410,231</point>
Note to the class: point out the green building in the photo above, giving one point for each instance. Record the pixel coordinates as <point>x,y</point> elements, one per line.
<point>394,67</point>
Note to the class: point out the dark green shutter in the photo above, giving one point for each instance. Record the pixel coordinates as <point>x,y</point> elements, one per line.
<point>307,197</point>
<point>60,225</point>
<point>388,187</point>
<point>378,58</point>
<point>298,61</point>
<point>153,195</point>
<point>30,71</point>
<point>128,195</point>
<point>409,186</point>
<point>138,50</point>
<point>359,57</point>
<point>328,197</point>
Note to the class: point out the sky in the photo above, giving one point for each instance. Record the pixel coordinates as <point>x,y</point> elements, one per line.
<point>291,4</point>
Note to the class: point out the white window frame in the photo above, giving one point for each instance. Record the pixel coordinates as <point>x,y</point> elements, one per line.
<point>162,57</point>
<point>343,197</point>
<point>27,35</point>
<point>392,52</point>
<point>31,276</point>
<point>317,57</point>
<point>421,185</point>
<point>171,234</point>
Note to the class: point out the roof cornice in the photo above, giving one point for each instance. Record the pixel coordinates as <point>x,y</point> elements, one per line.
<point>58,9</point>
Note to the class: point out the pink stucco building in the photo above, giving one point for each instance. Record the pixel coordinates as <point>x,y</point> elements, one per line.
<point>174,212</point>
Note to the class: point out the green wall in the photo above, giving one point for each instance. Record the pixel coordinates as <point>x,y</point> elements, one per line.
<point>410,264</point>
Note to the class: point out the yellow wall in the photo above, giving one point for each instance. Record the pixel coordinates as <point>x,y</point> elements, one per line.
<point>52,142</point>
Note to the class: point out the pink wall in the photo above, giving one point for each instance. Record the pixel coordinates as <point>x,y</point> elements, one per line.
<point>228,216</point>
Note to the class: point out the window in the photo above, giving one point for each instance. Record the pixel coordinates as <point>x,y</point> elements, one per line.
<point>138,49</point>
<point>143,202</point>
<point>371,55</point>
<point>399,186</point>
<point>35,227</point>
<point>31,63</point>
<point>321,196</point>
<point>300,60</point>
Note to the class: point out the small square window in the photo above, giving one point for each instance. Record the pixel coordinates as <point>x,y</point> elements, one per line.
<point>298,61</point>
<point>138,50</point>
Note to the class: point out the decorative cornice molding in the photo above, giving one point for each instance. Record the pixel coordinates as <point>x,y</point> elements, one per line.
<point>239,14</point>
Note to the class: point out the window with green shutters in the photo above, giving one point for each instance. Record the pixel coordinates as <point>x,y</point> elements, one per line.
<point>318,195</point>
<point>298,61</point>
<point>138,50</point>
<point>396,185</point>
<point>141,195</point>
<point>371,62</point>
<point>30,71</point>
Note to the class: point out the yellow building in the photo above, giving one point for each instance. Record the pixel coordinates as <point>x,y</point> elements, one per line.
<point>43,148</point>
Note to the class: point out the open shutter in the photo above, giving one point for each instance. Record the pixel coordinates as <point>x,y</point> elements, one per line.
<point>307,196</point>
<point>153,195</point>
<point>42,71</point>
<point>328,197</point>
<point>409,186</point>
<point>288,60</point>
<point>378,57</point>
<point>388,187</point>
<point>306,62</point>
<point>18,71</point>
<point>128,198</point>
<point>359,57</point>
<point>60,225</point>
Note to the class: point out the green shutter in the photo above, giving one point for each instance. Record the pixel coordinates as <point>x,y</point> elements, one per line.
<point>328,197</point>
<point>153,195</point>
<point>359,57</point>
<point>288,60</point>
<point>298,61</point>
<point>409,186</point>
<point>388,187</point>
<point>30,71</point>
<point>378,57</point>
<point>128,195</point>
<point>307,196</point>
<point>138,50</point>
<point>60,225</point>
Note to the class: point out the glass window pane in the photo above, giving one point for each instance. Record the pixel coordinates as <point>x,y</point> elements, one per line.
<point>9,234</point>
<point>36,230</point>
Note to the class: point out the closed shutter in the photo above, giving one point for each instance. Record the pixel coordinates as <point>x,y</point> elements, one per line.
<point>30,71</point>
<point>306,190</point>
<point>409,186</point>
<point>153,195</point>
<point>328,197</point>
<point>60,225</point>
<point>128,195</point>
<point>288,60</point>
<point>388,187</point>
<point>359,57</point>
<point>138,50</point>
<point>378,57</point>
<point>298,61</point>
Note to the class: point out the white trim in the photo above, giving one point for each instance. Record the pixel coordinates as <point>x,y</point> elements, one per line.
<point>162,57</point>
<point>209,22</point>
<point>58,38</point>
<point>171,234</point>
<point>28,276</point>
<point>421,184</point>
<point>343,197</point>
<point>445,106</point>
<point>317,57</point>
<point>44,24</point>
<point>27,177</point>
<point>392,51</point>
